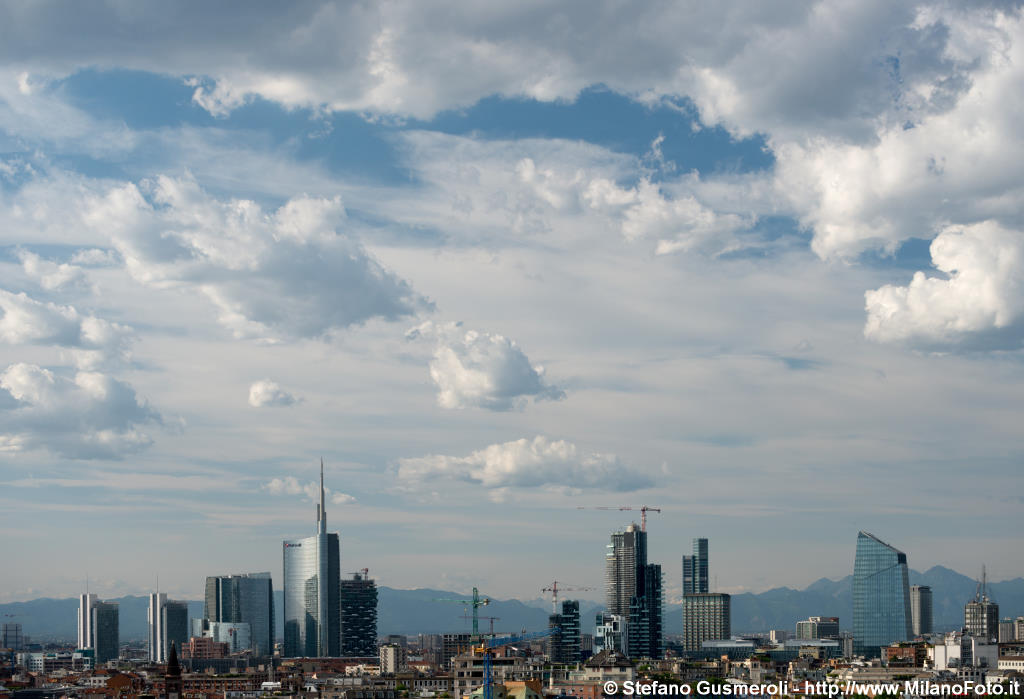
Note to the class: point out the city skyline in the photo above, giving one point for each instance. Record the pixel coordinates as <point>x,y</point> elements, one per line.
<point>761,269</point>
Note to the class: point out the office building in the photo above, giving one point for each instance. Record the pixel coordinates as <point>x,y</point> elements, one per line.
<point>312,590</point>
<point>564,644</point>
<point>236,635</point>
<point>11,637</point>
<point>695,569</point>
<point>920,610</point>
<point>633,591</point>
<point>359,616</point>
<point>881,596</point>
<point>706,617</point>
<point>817,627</point>
<point>981,614</point>
<point>244,599</point>
<point>98,627</point>
<point>1006,631</point>
<point>168,624</point>
<point>610,633</point>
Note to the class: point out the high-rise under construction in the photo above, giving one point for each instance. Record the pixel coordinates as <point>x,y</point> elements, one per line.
<point>633,589</point>
<point>359,616</point>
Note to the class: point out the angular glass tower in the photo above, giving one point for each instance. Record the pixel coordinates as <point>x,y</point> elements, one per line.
<point>312,591</point>
<point>881,596</point>
<point>246,598</point>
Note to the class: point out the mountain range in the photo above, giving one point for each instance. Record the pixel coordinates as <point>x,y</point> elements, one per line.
<point>409,612</point>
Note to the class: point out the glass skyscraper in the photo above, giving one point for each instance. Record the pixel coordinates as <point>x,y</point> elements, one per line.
<point>881,596</point>
<point>312,591</point>
<point>695,569</point>
<point>247,598</point>
<point>633,592</point>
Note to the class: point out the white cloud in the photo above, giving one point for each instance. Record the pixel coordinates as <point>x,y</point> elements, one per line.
<point>979,304</point>
<point>678,224</point>
<point>53,276</point>
<point>526,463</point>
<point>482,370</point>
<point>87,416</point>
<point>267,393</point>
<point>277,275</point>
<point>94,343</point>
<point>290,485</point>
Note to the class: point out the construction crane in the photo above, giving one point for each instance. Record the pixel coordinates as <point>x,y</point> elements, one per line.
<point>644,509</point>
<point>365,572</point>
<point>487,649</point>
<point>554,588</point>
<point>491,619</point>
<point>476,602</point>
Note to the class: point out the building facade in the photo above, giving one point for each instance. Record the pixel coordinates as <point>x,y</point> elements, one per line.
<point>818,627</point>
<point>312,591</point>
<point>359,616</point>
<point>12,637</point>
<point>633,591</point>
<point>168,624</point>
<point>565,643</point>
<point>695,569</point>
<point>981,614</point>
<point>881,596</point>
<point>98,627</point>
<point>920,609</point>
<point>247,598</point>
<point>706,617</point>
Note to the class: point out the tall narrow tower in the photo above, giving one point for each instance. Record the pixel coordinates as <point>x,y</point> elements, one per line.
<point>312,588</point>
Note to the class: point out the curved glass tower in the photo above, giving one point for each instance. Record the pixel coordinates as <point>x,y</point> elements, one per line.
<point>312,588</point>
<point>881,596</point>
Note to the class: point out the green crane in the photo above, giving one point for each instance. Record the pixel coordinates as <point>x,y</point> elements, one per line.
<point>476,603</point>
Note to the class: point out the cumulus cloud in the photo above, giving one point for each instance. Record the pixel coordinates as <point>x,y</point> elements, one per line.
<point>87,416</point>
<point>678,224</point>
<point>482,370</point>
<point>53,276</point>
<point>267,393</point>
<point>94,343</point>
<point>290,485</point>
<point>526,463</point>
<point>271,275</point>
<point>979,304</point>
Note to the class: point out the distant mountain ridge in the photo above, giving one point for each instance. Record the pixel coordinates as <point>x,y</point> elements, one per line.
<point>410,612</point>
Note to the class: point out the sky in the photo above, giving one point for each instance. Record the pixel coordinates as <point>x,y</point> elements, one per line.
<point>758,265</point>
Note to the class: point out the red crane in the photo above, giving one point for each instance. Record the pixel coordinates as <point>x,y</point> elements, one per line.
<point>644,509</point>
<point>554,588</point>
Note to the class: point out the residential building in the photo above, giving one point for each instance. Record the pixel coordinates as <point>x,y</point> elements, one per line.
<point>920,610</point>
<point>706,617</point>
<point>565,643</point>
<point>312,590</point>
<point>1007,632</point>
<point>392,659</point>
<point>610,633</point>
<point>881,596</point>
<point>168,625</point>
<point>817,627</point>
<point>244,598</point>
<point>981,614</point>
<point>633,591</point>
<point>359,616</point>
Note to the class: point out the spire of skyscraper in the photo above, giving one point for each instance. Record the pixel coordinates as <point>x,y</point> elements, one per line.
<point>321,512</point>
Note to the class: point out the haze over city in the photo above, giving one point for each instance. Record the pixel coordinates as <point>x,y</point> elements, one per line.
<point>760,268</point>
